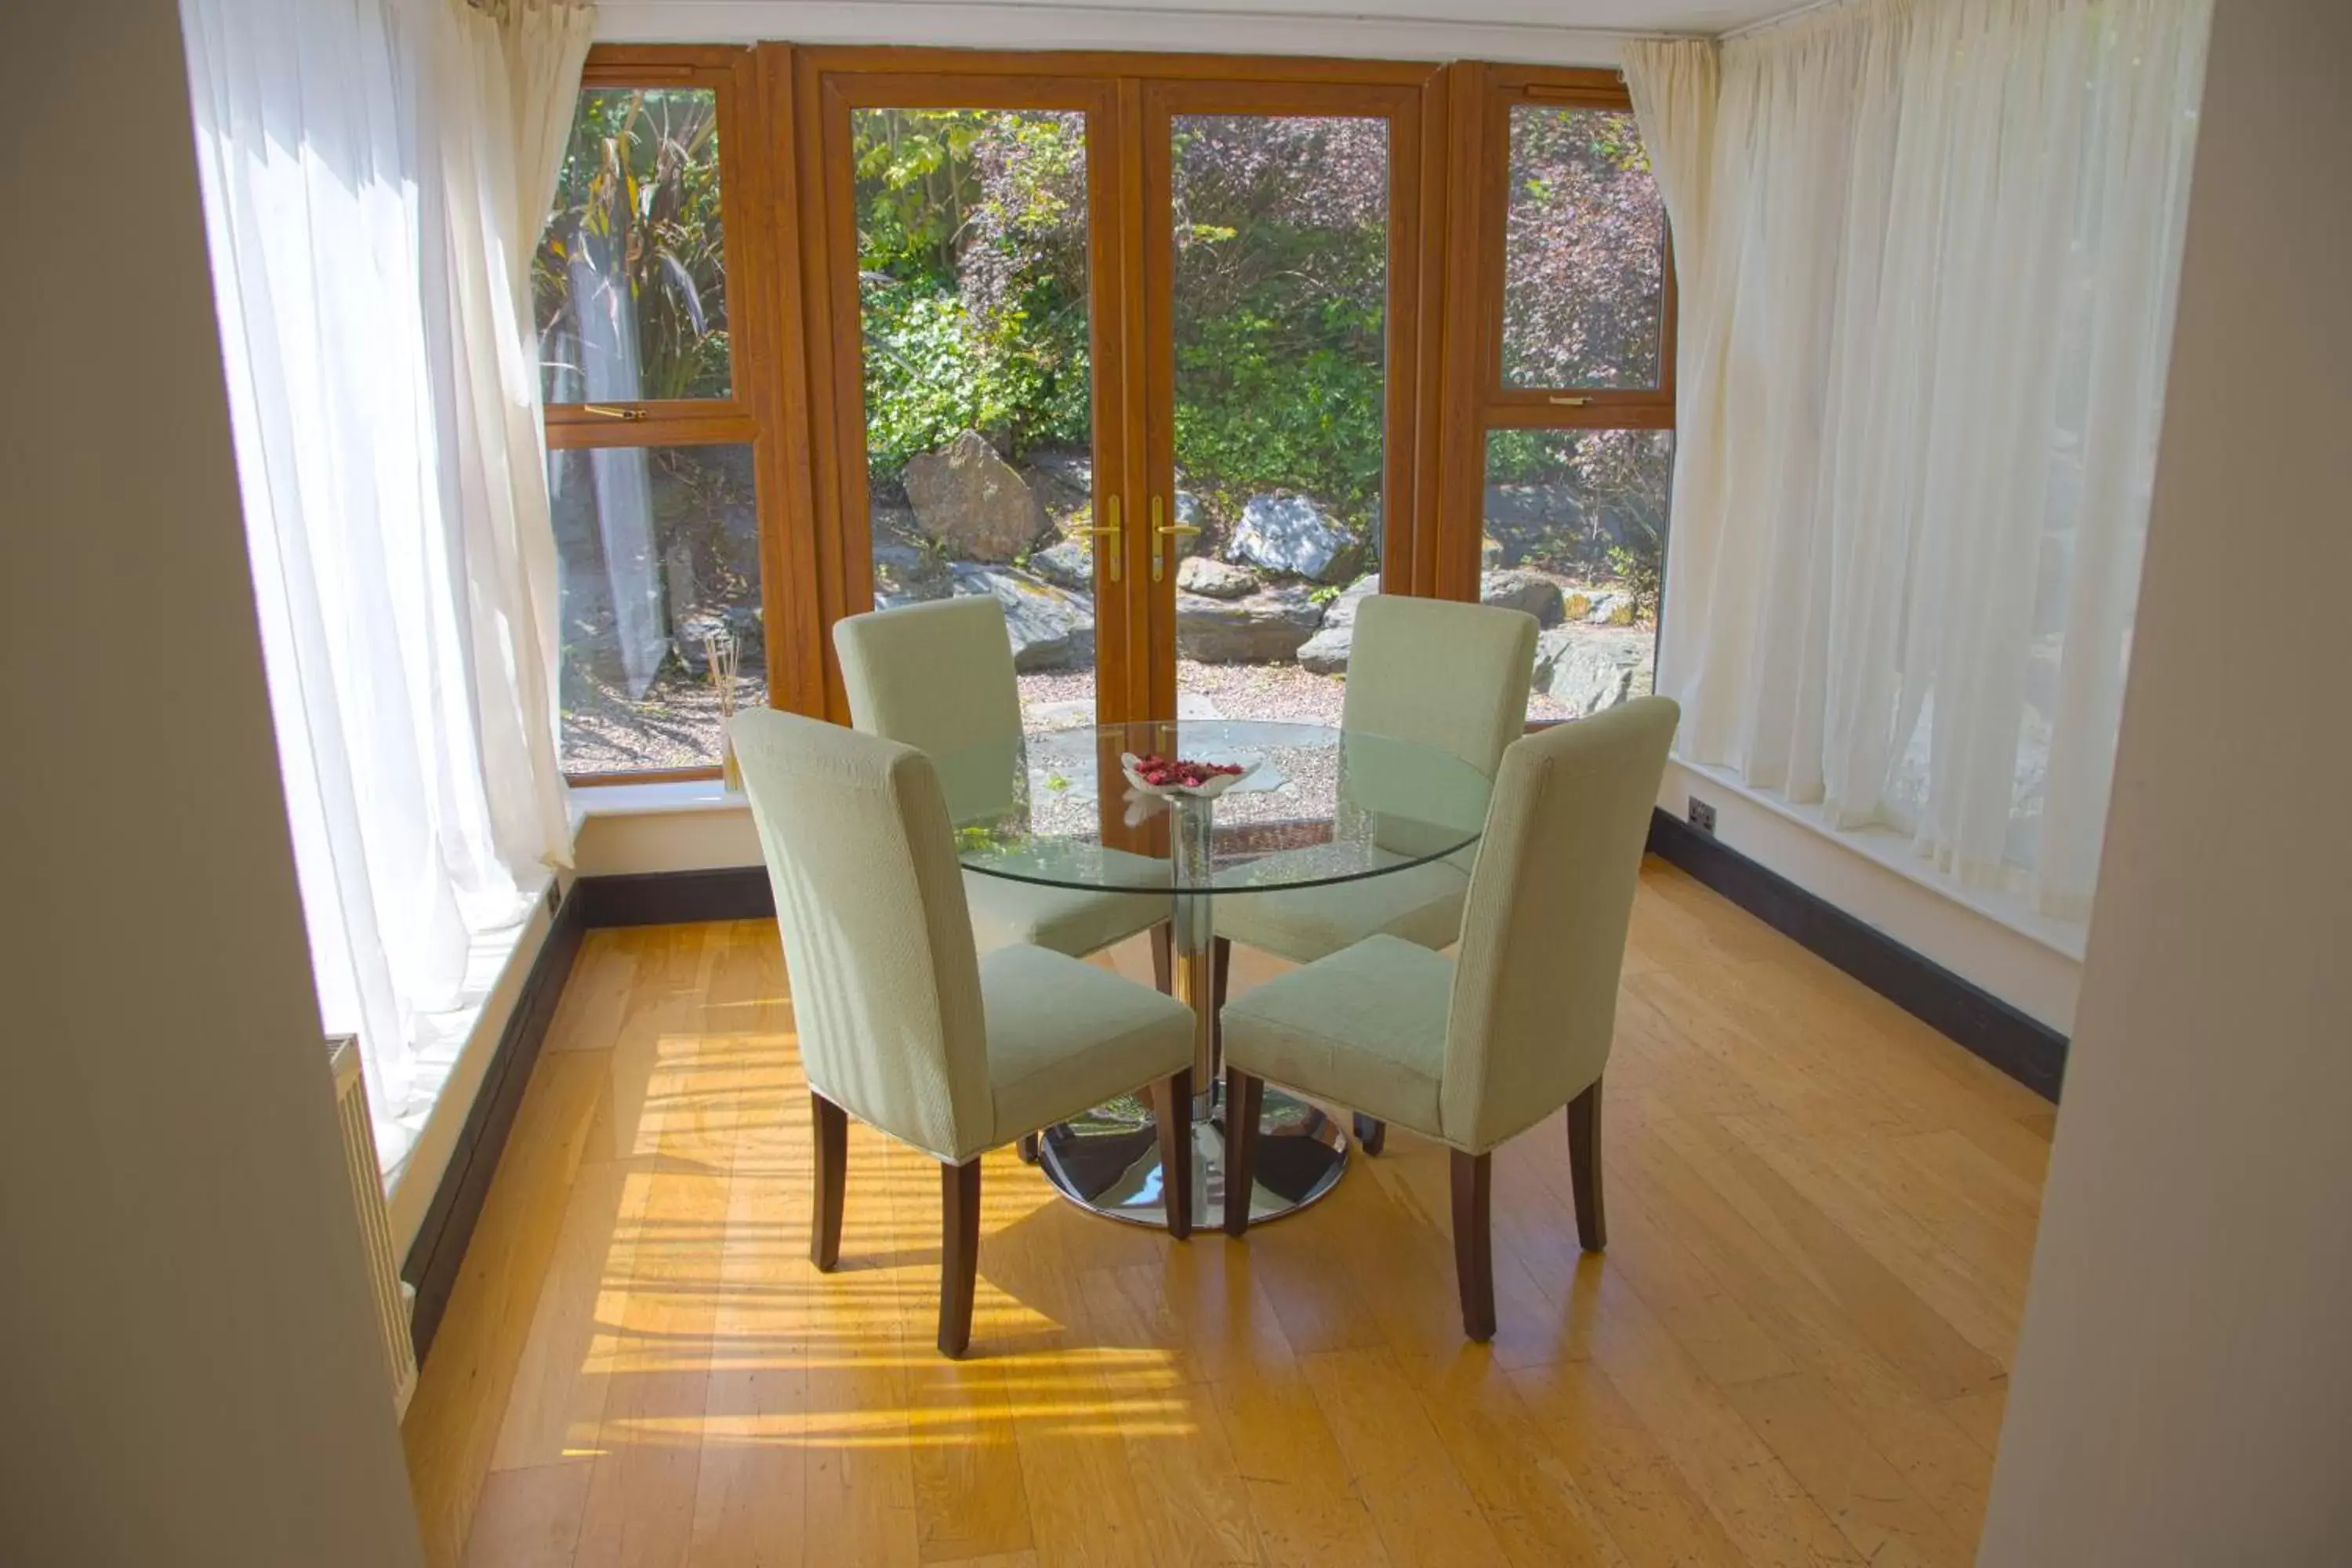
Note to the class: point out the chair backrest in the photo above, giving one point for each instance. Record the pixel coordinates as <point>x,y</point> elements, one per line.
<point>1440,674</point>
<point>1543,935</point>
<point>1448,676</point>
<point>937,677</point>
<point>877,939</point>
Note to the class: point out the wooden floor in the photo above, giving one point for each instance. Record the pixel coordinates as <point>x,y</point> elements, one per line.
<point>1795,1349</point>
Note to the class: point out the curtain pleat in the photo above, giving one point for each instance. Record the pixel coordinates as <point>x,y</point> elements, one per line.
<point>357,161</point>
<point>1924,330</point>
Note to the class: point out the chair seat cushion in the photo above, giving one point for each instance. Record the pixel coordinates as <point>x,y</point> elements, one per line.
<point>1363,1028</point>
<point>1075,921</point>
<point>1064,1036</point>
<point>1422,904</point>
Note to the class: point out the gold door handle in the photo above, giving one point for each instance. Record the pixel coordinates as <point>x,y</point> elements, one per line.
<point>1112,530</point>
<point>610,412</point>
<point>1161,531</point>
<point>1569,402</point>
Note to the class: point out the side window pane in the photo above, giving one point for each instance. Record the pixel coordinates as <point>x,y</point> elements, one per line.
<point>1576,535</point>
<point>1583,252</point>
<point>630,281</point>
<point>660,549</point>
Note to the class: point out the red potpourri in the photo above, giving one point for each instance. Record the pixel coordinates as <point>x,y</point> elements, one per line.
<point>1163,771</point>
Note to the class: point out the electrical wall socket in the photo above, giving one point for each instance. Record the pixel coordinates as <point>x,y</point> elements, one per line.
<point>1702,816</point>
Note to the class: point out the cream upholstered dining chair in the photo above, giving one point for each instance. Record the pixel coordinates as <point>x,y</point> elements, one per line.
<point>1431,672</point>
<point>1475,1049</point>
<point>902,1023</point>
<point>939,677</point>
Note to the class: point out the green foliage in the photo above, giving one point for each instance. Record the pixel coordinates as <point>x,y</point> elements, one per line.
<point>636,247</point>
<point>1252,416</point>
<point>933,370</point>
<point>1279,301</point>
<point>972,247</point>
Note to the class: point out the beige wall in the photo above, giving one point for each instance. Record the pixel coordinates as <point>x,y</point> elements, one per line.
<point>2183,1391</point>
<point>188,1371</point>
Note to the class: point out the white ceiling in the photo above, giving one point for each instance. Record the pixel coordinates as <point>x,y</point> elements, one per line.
<point>1602,16</point>
<point>1609,15</point>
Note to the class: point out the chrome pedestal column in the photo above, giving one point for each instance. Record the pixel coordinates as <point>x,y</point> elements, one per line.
<point>1108,1159</point>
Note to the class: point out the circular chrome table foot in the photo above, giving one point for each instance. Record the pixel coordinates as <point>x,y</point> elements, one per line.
<point>1108,1160</point>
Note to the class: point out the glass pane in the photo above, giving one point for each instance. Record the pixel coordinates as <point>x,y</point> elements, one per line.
<point>660,549</point>
<point>1583,252</point>
<point>630,282</point>
<point>972,254</point>
<point>1279,308</point>
<point>1576,535</point>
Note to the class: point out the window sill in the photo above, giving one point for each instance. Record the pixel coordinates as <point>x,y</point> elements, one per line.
<point>1891,851</point>
<point>668,799</point>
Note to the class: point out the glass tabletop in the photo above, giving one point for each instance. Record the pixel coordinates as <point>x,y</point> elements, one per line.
<point>1318,806</point>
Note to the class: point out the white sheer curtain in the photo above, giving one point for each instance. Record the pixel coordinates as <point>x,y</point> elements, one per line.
<point>369,249</point>
<point>1927,294</point>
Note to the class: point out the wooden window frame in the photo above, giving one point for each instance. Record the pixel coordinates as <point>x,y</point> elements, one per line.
<point>787,346</point>
<point>1478,401</point>
<point>1540,407</point>
<point>758,409</point>
<point>828,81</point>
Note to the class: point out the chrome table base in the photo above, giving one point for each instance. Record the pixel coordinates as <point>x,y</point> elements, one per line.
<point>1109,1161</point>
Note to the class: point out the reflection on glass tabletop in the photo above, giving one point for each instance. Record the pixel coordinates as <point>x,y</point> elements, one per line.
<point>1318,806</point>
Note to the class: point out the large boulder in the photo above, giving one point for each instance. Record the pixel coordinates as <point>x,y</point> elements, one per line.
<point>972,501</point>
<point>1051,628</point>
<point>1326,653</point>
<point>1587,669</point>
<point>1069,564</point>
<point>1268,627</point>
<point>1294,535</point>
<point>1533,592</point>
<point>1214,579</point>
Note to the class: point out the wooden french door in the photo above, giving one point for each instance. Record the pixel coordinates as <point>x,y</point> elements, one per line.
<point>914,163</point>
<point>1336,159</point>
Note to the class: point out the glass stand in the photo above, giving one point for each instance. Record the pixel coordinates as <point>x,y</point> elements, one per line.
<point>1108,1159</point>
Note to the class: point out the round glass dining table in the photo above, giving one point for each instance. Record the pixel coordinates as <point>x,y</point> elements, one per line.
<point>1320,808</point>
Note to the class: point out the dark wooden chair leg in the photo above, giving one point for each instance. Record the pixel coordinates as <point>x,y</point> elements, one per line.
<point>958,1254</point>
<point>1221,965</point>
<point>1244,1099</point>
<point>1163,958</point>
<point>1474,1258</point>
<point>1584,1168</point>
<point>1032,1146</point>
<point>1371,1133</point>
<point>1171,1107</point>
<point>832,1169</point>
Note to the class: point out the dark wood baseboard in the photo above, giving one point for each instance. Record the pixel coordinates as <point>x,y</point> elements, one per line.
<point>2024,1048</point>
<point>675,898</point>
<point>664,898</point>
<point>439,1253</point>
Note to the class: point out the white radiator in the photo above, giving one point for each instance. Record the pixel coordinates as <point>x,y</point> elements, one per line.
<point>392,1296</point>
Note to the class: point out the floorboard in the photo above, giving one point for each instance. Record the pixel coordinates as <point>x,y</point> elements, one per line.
<point>1795,1352</point>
